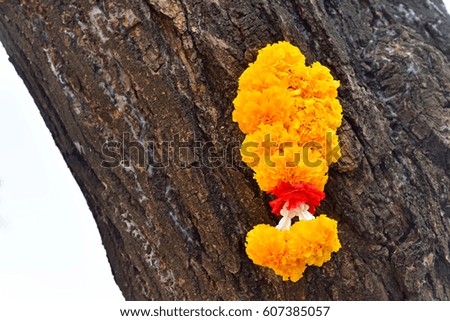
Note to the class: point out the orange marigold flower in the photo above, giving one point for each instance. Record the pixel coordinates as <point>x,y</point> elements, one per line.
<point>272,67</point>
<point>268,246</point>
<point>253,108</point>
<point>290,114</point>
<point>313,81</point>
<point>326,113</point>
<point>288,252</point>
<point>266,141</point>
<point>294,165</point>
<point>320,138</point>
<point>315,240</point>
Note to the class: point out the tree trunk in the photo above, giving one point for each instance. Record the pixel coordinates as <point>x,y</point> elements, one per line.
<point>154,81</point>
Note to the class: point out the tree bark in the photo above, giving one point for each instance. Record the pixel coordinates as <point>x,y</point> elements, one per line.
<point>145,73</point>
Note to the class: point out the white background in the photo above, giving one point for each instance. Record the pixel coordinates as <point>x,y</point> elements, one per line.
<point>50,248</point>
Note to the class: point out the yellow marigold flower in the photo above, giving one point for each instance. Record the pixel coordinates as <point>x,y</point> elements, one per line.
<point>290,114</point>
<point>272,67</point>
<point>276,156</point>
<point>295,165</point>
<point>258,77</point>
<point>265,141</point>
<point>322,139</point>
<point>281,56</point>
<point>268,140</point>
<point>314,240</point>
<point>268,246</point>
<point>288,252</point>
<point>313,81</point>
<point>271,105</point>
<point>326,112</point>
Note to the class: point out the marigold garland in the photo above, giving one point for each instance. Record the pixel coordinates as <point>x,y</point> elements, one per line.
<point>290,114</point>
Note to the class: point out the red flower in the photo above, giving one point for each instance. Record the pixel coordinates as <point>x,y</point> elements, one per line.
<point>296,194</point>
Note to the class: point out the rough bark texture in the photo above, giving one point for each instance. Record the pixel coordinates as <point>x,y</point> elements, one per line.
<point>156,68</point>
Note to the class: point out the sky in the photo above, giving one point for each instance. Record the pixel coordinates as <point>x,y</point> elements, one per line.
<point>50,248</point>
